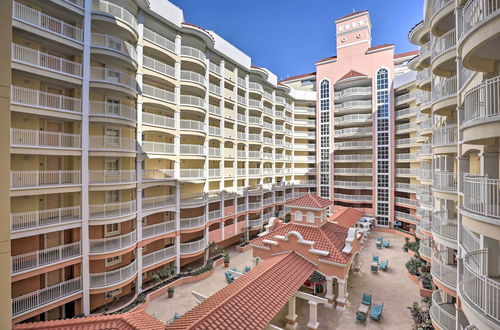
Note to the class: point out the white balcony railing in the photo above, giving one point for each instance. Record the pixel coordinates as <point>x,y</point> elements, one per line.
<point>45,22</point>
<point>41,218</point>
<point>443,88</point>
<point>158,256</point>
<point>158,66</point>
<point>116,11</point>
<point>27,179</point>
<point>111,210</point>
<point>194,222</point>
<point>442,271</point>
<point>482,103</point>
<point>155,202</point>
<point>104,142</point>
<point>108,109</point>
<point>158,147</point>
<point>107,41</point>
<point>482,196</point>
<point>445,181</point>
<point>444,136</point>
<point>213,109</point>
<point>159,40</point>
<point>192,149</point>
<point>193,247</point>
<point>193,52</point>
<point>42,258</point>
<point>444,226</point>
<point>353,170</point>
<point>215,68</point>
<point>43,139</point>
<point>192,100</point>
<point>442,313</point>
<point>192,173</point>
<point>356,118</point>
<point>158,93</point>
<point>255,223</point>
<point>192,76</point>
<point>30,56</point>
<point>158,229</point>
<point>45,296</point>
<point>353,145</point>
<point>111,244</point>
<point>158,120</point>
<point>444,43</point>
<point>104,279</point>
<point>112,76</point>
<point>40,99</point>
<point>192,125</point>
<point>475,12</point>
<point>108,177</point>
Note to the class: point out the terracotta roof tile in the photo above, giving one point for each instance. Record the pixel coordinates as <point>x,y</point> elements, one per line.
<point>407,54</point>
<point>352,74</point>
<point>138,320</point>
<point>347,16</point>
<point>310,201</point>
<point>299,76</point>
<point>346,217</point>
<point>327,59</point>
<point>252,300</point>
<point>379,46</point>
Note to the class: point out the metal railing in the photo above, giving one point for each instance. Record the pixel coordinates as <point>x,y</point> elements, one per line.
<point>213,88</point>
<point>116,11</point>
<point>27,179</point>
<point>443,88</point>
<point>353,91</point>
<point>354,158</point>
<point>442,271</point>
<point>353,118</point>
<point>253,223</point>
<point>214,110</point>
<point>192,149</point>
<point>193,247</point>
<point>444,226</point>
<point>112,76</point>
<point>158,120</point>
<point>157,174</point>
<point>43,139</point>
<point>482,196</point>
<point>192,125</point>
<point>114,243</point>
<point>470,240</point>
<point>154,202</point>
<point>43,21</point>
<point>445,319</point>
<point>159,40</point>
<point>107,176</point>
<point>104,279</point>
<point>444,43</point>
<point>192,100</point>
<point>425,247</point>
<point>406,201</point>
<point>192,77</point>
<point>41,258</point>
<point>358,131</point>
<point>192,173</point>
<point>353,145</point>
<point>194,222</point>
<point>353,105</point>
<point>158,256</point>
<point>475,12</point>
<point>40,218</point>
<point>483,101</point>
<point>158,66</point>
<point>193,52</point>
<point>357,198</point>
<point>444,181</point>
<point>111,210</point>
<point>158,147</point>
<point>113,43</point>
<point>113,110</point>
<point>158,229</point>
<point>33,97</point>
<point>405,97</point>
<point>26,55</point>
<point>445,136</point>
<point>45,296</point>
<point>214,68</point>
<point>158,93</point>
<point>104,142</point>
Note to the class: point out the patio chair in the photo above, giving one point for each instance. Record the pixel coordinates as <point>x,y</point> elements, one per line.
<point>374,268</point>
<point>367,299</point>
<point>234,269</point>
<point>360,317</point>
<point>376,312</point>
<point>379,239</point>
<point>384,265</point>
<point>229,277</point>
<point>375,259</point>
<point>379,244</point>
<point>387,243</point>
<point>247,269</point>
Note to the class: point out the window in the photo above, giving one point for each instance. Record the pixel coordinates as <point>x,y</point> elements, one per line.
<point>298,216</point>
<point>114,43</point>
<point>112,196</point>
<point>324,89</point>
<point>310,217</point>
<point>113,261</point>
<point>112,229</point>
<point>112,106</point>
<point>113,76</point>
<point>112,136</point>
<point>112,164</point>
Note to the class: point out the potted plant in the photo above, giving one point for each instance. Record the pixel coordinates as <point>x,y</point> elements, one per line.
<point>226,260</point>
<point>170,291</point>
<point>405,246</point>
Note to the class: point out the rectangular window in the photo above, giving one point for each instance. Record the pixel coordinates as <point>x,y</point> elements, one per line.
<point>112,196</point>
<point>113,261</point>
<point>112,136</point>
<point>113,76</point>
<point>112,164</point>
<point>111,229</point>
<point>113,293</point>
<point>112,106</point>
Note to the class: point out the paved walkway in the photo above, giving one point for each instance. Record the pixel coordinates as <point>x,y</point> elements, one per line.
<point>164,308</point>
<point>393,288</point>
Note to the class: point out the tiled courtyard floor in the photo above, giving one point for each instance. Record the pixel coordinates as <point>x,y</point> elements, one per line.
<point>392,287</point>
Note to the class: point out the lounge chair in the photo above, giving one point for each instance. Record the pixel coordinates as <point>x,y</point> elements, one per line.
<point>247,269</point>
<point>375,259</point>
<point>377,312</point>
<point>379,244</point>
<point>360,317</point>
<point>229,277</point>
<point>234,269</point>
<point>367,299</point>
<point>379,239</point>
<point>374,268</point>
<point>384,264</point>
<point>387,243</point>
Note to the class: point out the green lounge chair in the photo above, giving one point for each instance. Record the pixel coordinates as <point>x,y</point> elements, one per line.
<point>374,268</point>
<point>377,312</point>
<point>360,317</point>
<point>375,259</point>
<point>379,239</point>
<point>384,264</point>
<point>367,299</point>
<point>229,277</point>
<point>387,243</point>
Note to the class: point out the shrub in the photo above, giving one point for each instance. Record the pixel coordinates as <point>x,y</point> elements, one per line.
<point>426,280</point>
<point>414,265</point>
<point>420,316</point>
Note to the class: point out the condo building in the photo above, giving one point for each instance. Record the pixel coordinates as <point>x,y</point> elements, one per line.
<point>136,139</point>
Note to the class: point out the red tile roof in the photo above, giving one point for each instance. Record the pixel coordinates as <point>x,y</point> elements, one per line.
<point>326,59</point>
<point>353,14</point>
<point>139,320</point>
<point>352,74</point>
<point>346,217</point>
<point>299,76</point>
<point>310,201</point>
<point>412,53</point>
<point>253,299</point>
<point>327,237</point>
<point>379,46</point>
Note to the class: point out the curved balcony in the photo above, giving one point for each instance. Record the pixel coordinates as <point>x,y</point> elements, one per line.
<point>425,225</point>
<point>482,198</point>
<point>192,223</point>
<point>192,174</point>
<point>112,143</point>
<point>158,120</point>
<point>406,128</point>
<point>353,119</point>
<point>193,247</point>
<point>353,92</point>
<point>353,170</point>
<point>405,158</point>
<point>157,174</point>
<point>407,142</point>
<point>445,227</point>
<point>158,147</point>
<point>426,126</point>
<point>423,78</point>
<point>350,184</point>
<point>156,202</point>
<point>441,11</point>
<point>406,201</point>
<point>46,296</point>
<point>38,179</point>
<point>38,99</point>
<point>112,210</point>
<point>192,77</point>
<point>353,158</point>
<point>158,66</point>
<point>479,40</point>
<point>27,138</point>
<point>159,256</point>
<point>113,277</point>
<point>443,54</point>
<point>445,136</point>
<point>42,218</point>
<point>194,101</point>
<point>255,223</point>
<point>50,24</point>
<point>442,313</point>
<point>42,258</point>
<point>215,89</point>
<point>425,248</point>
<point>445,181</point>
<point>350,145</point>
<point>114,79</point>
<point>443,272</point>
<point>353,198</point>
<point>413,172</point>
<point>193,125</point>
<point>116,47</point>
<point>158,229</point>
<point>112,244</point>
<point>103,177</point>
<point>478,289</point>
<point>425,174</point>
<point>115,111</point>
<point>405,98</point>
<point>353,107</point>
<point>114,13</point>
<point>481,111</point>
<point>444,91</point>
<point>158,40</point>
<point>193,199</point>
<point>406,113</point>
<point>353,131</point>
<point>406,217</point>
<point>425,151</point>
<point>157,93</point>
<point>194,53</point>
<point>255,206</point>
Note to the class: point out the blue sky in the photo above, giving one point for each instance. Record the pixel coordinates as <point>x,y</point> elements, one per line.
<point>288,36</point>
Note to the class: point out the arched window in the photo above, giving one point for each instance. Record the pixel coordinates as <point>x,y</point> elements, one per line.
<point>324,95</point>
<point>310,217</point>
<point>298,216</point>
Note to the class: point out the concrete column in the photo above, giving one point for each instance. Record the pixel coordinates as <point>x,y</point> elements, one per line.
<point>329,289</point>
<point>342,295</point>
<point>177,218</point>
<point>313,315</point>
<point>222,230</point>
<point>463,167</point>
<point>357,263</point>
<point>139,267</point>
<point>291,318</point>
<point>206,256</point>
<point>178,254</point>
<point>178,40</point>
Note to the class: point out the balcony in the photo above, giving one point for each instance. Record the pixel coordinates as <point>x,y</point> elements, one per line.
<point>43,297</point>
<point>353,170</point>
<point>114,44</point>
<point>444,88</point>
<point>158,120</point>
<point>192,174</point>
<point>112,210</point>
<point>158,147</point>
<point>42,218</point>
<point>111,110</point>
<point>36,58</point>
<point>443,272</point>
<point>353,119</point>
<point>445,181</point>
<point>43,139</point>
<point>409,157</point>
<point>114,77</point>
<point>37,179</point>
<point>255,154</point>
<point>354,91</point>
<point>158,66</point>
<point>195,101</point>
<point>442,313</point>
<point>353,106</point>
<point>254,206</point>
<point>194,222</point>
<point>112,244</point>
<point>254,120</point>
<point>442,45</point>
<point>118,13</point>
<point>214,173</point>
<point>406,113</point>
<point>406,128</point>
<point>41,258</point>
<point>305,110</point>
<point>193,53</point>
<point>213,88</point>
<point>158,229</point>
<point>193,125</point>
<point>407,142</point>
<point>405,98</point>
<point>215,68</point>
<point>445,136</point>
<point>215,152</point>
<point>192,149</point>
<point>112,177</point>
<point>159,40</point>
<point>113,277</point>
<point>353,158</point>
<point>255,223</point>
<point>354,198</point>
<point>478,289</point>
<point>39,99</point>
<point>482,197</point>
<point>193,247</point>
<point>353,145</point>
<point>406,172</point>
<point>424,151</point>
<point>444,226</point>
<point>158,93</point>
<point>406,187</point>
<point>215,110</point>
<point>155,202</point>
<point>194,77</point>
<point>425,248</point>
<point>112,143</point>
<point>31,16</point>
<point>158,256</point>
<point>425,174</point>
<point>353,131</point>
<point>194,198</point>
<point>406,201</point>
<point>406,217</point>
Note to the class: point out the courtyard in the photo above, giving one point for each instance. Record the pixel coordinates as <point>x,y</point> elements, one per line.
<point>392,287</point>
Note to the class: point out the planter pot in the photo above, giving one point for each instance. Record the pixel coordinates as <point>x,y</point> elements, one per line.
<point>170,294</point>
<point>413,278</point>
<point>423,291</point>
<point>243,248</point>
<point>226,264</point>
